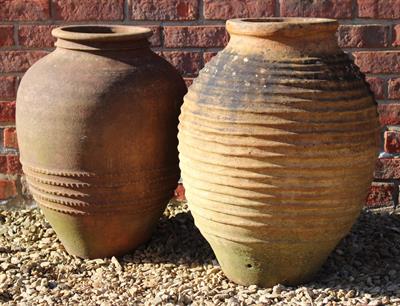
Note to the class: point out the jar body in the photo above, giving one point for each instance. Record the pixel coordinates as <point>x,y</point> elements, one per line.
<point>277,141</point>
<point>97,136</point>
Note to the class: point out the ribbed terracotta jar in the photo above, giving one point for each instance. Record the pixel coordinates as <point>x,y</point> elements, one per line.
<point>277,142</point>
<point>97,131</point>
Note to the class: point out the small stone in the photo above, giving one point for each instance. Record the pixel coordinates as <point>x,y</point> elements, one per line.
<point>213,270</point>
<point>4,266</point>
<point>45,264</point>
<point>15,260</point>
<point>252,288</point>
<point>375,303</point>
<point>3,278</point>
<point>277,290</point>
<point>350,294</point>
<point>132,291</point>
<point>116,263</point>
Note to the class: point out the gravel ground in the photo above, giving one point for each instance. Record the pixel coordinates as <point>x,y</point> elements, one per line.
<point>177,267</point>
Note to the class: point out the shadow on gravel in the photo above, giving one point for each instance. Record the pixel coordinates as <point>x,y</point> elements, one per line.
<point>367,260</point>
<point>177,241</point>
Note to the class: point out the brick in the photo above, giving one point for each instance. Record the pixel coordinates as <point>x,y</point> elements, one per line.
<point>396,36</point>
<point>164,9</point>
<point>378,61</point>
<point>13,164</point>
<point>360,36</point>
<point>10,164</point>
<point>6,35</point>
<point>155,39</point>
<point>387,168</point>
<point>377,86</point>
<point>187,63</point>
<point>24,10</point>
<point>383,9</point>
<point>3,164</point>
<point>389,114</point>
<point>7,111</point>
<point>381,194</point>
<point>19,61</point>
<point>392,141</point>
<point>8,189</point>
<point>394,88</point>
<point>77,10</point>
<point>10,138</point>
<point>7,87</point>
<point>316,8</point>
<point>188,81</point>
<point>208,56</point>
<point>195,36</point>
<point>36,36</point>
<point>179,193</point>
<point>226,9</point>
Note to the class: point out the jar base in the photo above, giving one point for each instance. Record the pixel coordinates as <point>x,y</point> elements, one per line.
<point>268,264</point>
<point>102,234</point>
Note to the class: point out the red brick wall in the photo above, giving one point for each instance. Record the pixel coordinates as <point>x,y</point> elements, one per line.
<point>188,33</point>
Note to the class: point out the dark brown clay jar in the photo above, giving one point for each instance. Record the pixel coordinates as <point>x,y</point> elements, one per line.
<point>277,141</point>
<point>97,125</point>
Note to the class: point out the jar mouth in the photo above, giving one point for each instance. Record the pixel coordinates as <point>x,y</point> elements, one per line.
<point>101,33</point>
<point>278,26</point>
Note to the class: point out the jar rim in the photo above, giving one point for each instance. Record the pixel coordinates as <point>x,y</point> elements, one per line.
<point>101,33</point>
<point>280,26</point>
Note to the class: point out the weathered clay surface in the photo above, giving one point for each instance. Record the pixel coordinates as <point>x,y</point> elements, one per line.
<point>277,141</point>
<point>97,123</point>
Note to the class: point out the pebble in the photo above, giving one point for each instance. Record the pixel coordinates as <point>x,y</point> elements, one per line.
<point>116,263</point>
<point>45,264</point>
<point>178,267</point>
<point>3,278</point>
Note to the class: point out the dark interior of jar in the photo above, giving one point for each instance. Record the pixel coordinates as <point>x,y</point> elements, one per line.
<point>264,20</point>
<point>295,20</point>
<point>95,29</point>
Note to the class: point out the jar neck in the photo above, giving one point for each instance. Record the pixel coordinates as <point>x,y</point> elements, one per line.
<point>280,38</point>
<point>102,37</point>
<point>102,45</point>
<point>280,48</point>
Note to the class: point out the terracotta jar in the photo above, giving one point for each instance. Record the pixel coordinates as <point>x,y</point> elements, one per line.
<point>277,142</point>
<point>97,131</point>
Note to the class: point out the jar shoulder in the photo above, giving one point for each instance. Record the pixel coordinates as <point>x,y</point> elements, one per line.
<point>92,69</point>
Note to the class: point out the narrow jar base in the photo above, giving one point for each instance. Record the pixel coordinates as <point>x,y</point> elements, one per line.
<point>101,235</point>
<point>266,265</point>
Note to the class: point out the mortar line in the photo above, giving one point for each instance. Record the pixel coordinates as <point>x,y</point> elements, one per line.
<point>52,11</point>
<point>277,9</point>
<point>379,49</point>
<point>390,35</point>
<point>15,34</point>
<point>126,11</point>
<point>354,9</point>
<point>201,21</point>
<point>201,18</point>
